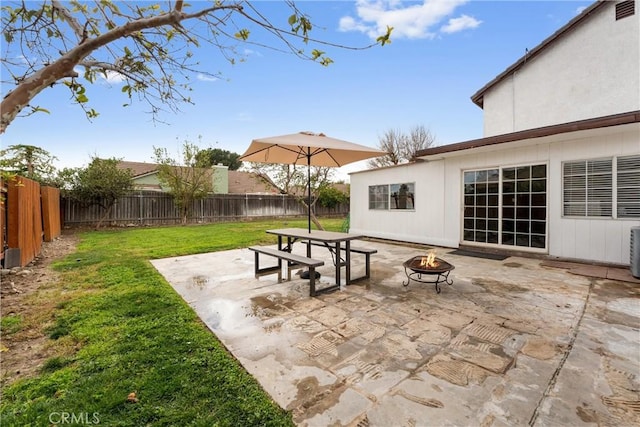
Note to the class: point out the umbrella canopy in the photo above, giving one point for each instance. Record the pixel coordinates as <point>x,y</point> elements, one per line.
<point>295,148</point>
<point>307,148</point>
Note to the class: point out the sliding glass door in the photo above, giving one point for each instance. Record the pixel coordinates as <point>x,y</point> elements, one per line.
<point>506,206</point>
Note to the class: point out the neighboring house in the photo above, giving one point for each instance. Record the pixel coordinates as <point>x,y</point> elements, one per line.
<point>558,169</point>
<point>251,183</point>
<point>145,177</point>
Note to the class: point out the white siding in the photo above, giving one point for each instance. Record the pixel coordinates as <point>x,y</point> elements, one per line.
<point>425,224</point>
<point>597,239</point>
<point>591,71</point>
<point>437,218</point>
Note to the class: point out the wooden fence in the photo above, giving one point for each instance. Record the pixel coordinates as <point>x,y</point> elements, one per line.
<point>156,208</point>
<point>31,214</point>
<point>51,221</point>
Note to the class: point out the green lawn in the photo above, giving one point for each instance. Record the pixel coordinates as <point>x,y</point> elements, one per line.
<point>118,327</point>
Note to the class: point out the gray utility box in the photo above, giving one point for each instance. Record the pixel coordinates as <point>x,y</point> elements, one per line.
<point>635,252</point>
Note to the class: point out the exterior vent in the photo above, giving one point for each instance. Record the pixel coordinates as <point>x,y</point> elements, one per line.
<point>625,8</point>
<point>635,252</point>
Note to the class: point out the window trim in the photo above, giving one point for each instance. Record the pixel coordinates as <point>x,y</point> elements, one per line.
<point>634,186</point>
<point>500,218</point>
<point>389,202</point>
<point>375,202</point>
<point>589,189</point>
<point>614,190</point>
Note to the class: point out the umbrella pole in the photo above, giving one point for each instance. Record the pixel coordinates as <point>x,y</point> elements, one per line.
<point>307,274</point>
<point>309,189</point>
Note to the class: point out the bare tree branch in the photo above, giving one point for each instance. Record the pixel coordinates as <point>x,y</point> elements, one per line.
<point>401,148</point>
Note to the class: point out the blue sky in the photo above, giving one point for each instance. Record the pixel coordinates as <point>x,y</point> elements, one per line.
<point>441,53</point>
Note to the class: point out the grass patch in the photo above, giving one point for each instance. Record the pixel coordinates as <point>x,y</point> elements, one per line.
<point>56,363</point>
<point>134,334</point>
<point>10,324</point>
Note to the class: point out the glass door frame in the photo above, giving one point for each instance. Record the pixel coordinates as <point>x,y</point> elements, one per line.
<point>500,169</point>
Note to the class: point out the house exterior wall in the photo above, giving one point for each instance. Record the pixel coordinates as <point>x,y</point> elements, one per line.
<point>220,179</point>
<point>590,71</point>
<point>437,218</point>
<point>425,224</point>
<point>150,181</point>
<point>147,182</point>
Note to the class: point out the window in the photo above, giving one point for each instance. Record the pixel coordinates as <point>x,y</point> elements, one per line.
<point>402,196</point>
<point>628,186</point>
<point>480,223</point>
<point>379,197</point>
<point>506,206</point>
<point>524,206</point>
<point>393,196</point>
<point>587,188</point>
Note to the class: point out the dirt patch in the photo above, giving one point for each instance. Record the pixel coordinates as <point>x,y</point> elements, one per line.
<point>24,346</point>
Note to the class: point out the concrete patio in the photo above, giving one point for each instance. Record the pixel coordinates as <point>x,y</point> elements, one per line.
<point>520,341</point>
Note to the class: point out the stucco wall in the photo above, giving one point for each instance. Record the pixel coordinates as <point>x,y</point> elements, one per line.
<point>437,217</point>
<point>591,71</point>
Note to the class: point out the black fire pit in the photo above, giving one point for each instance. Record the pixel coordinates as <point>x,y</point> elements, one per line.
<point>439,271</point>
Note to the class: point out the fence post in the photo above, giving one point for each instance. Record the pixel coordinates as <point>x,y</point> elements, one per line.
<point>246,205</point>
<point>140,210</point>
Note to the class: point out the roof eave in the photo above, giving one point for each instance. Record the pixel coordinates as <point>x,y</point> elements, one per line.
<point>599,122</point>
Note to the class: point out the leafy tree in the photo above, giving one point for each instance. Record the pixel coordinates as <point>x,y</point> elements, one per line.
<point>400,147</point>
<point>28,161</point>
<point>292,180</point>
<point>101,183</point>
<point>213,156</point>
<point>145,44</point>
<point>186,179</point>
<point>329,196</point>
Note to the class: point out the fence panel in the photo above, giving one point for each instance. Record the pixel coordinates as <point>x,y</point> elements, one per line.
<point>3,218</point>
<point>52,225</point>
<point>156,208</point>
<point>24,219</point>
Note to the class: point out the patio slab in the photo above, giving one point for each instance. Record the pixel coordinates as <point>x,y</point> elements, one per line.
<point>511,342</point>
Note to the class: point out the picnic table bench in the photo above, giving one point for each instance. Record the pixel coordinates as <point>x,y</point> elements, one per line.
<point>367,252</point>
<point>293,261</point>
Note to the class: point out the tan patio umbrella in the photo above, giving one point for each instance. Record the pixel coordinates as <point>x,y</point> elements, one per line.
<point>307,148</point>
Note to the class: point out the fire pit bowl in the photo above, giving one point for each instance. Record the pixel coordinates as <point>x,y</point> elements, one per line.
<point>415,268</point>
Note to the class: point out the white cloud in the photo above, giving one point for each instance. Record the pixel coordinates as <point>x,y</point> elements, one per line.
<point>580,10</point>
<point>205,78</point>
<point>459,24</point>
<point>112,77</point>
<point>244,117</point>
<point>413,21</point>
<point>108,77</point>
<point>249,52</point>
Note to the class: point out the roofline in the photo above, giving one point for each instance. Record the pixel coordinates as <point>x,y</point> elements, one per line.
<point>598,122</point>
<point>477,97</point>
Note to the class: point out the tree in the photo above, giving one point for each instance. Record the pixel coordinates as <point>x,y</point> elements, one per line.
<point>101,183</point>
<point>186,179</point>
<point>292,180</point>
<point>145,44</point>
<point>401,148</point>
<point>329,196</point>
<point>214,156</point>
<point>28,161</point>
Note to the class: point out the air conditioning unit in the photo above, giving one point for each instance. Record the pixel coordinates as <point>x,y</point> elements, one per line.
<point>635,252</point>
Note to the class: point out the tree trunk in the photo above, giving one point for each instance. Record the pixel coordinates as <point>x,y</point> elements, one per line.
<point>107,212</point>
